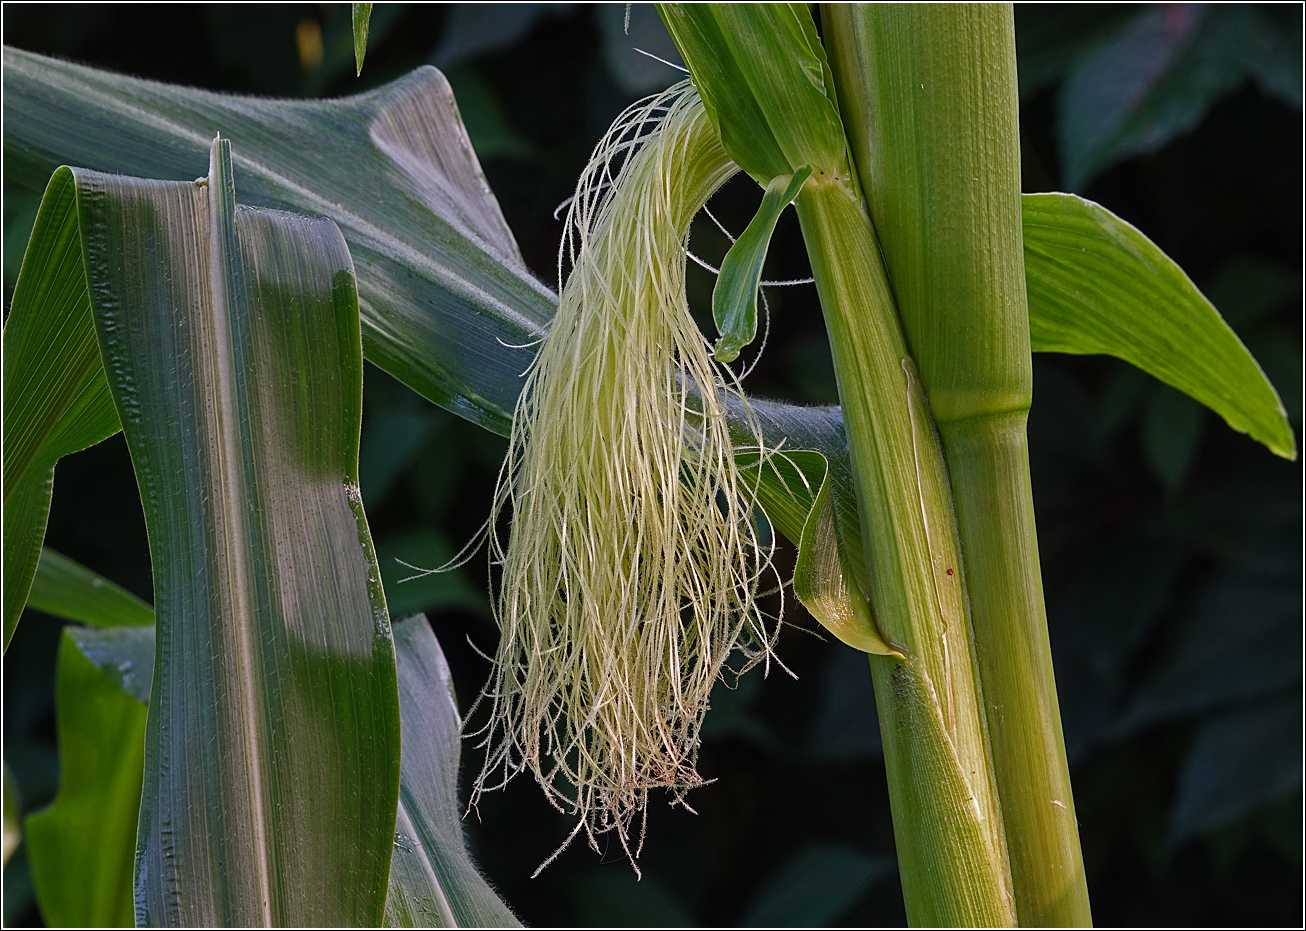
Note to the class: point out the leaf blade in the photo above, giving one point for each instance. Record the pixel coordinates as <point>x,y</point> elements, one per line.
<point>1140,307</point>
<point>67,589</point>
<point>234,359</point>
<point>432,880</point>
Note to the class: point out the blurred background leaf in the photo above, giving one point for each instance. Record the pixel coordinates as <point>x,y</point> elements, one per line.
<point>815,888</point>
<point>1133,569</point>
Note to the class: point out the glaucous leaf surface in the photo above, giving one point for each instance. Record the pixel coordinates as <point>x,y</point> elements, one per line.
<point>232,349</point>
<point>433,883</point>
<point>442,287</point>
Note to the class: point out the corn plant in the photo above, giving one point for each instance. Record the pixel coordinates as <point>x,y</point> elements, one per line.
<point>264,746</point>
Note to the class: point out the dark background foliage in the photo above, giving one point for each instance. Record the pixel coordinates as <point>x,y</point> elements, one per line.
<point>1171,546</point>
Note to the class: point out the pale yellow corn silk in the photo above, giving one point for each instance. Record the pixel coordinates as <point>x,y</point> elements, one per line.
<point>633,562</point>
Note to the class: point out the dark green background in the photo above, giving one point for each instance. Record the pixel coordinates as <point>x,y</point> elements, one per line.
<point>1171,546</point>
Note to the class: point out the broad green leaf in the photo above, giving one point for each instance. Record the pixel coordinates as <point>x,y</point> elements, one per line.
<point>233,354</point>
<point>81,849</point>
<point>775,119</point>
<point>56,399</point>
<point>734,299</point>
<point>432,880</point>
<point>67,589</point>
<point>362,14</point>
<point>443,292</point>
<point>1098,285</point>
<point>52,363</point>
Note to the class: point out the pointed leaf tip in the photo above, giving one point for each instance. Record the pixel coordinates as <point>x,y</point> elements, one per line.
<point>362,17</point>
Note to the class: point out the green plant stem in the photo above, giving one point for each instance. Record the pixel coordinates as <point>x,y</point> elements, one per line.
<point>948,829</point>
<point>935,87</point>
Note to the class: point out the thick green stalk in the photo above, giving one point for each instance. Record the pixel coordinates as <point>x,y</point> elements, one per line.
<point>951,846</point>
<point>934,87</point>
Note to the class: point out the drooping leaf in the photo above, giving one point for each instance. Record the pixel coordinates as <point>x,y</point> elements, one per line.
<point>734,299</point>
<point>232,350</point>
<point>432,880</point>
<point>362,15</point>
<point>81,849</point>
<point>1098,285</point>
<point>67,589</point>
<point>443,292</point>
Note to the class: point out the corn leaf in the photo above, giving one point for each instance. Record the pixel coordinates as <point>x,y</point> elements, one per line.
<point>442,287</point>
<point>821,581</point>
<point>432,880</point>
<point>67,589</point>
<point>1098,285</point>
<point>106,674</point>
<point>82,847</point>
<point>25,515</point>
<point>233,354</point>
<point>362,15</point>
<point>56,399</point>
